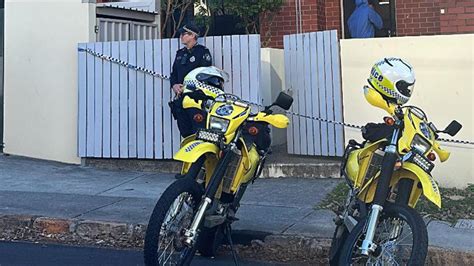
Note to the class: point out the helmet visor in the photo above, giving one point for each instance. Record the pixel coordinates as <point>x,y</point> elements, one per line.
<point>214,71</point>
<point>405,88</point>
<point>212,80</point>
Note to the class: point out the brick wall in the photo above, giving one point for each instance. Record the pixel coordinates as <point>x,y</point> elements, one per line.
<point>333,16</point>
<point>421,17</point>
<point>458,16</point>
<point>316,15</point>
<point>425,17</point>
<point>417,17</point>
<point>284,22</point>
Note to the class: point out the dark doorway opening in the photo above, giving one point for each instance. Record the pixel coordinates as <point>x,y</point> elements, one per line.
<point>385,8</point>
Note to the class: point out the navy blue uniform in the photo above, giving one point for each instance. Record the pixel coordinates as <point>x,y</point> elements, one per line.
<point>188,60</point>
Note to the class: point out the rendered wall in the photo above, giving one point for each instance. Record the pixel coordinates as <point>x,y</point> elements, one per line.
<point>41,76</point>
<point>444,68</point>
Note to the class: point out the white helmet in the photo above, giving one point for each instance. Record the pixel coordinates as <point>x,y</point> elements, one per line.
<point>394,79</point>
<point>208,79</point>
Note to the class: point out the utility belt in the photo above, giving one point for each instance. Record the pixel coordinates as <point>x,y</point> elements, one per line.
<point>176,106</point>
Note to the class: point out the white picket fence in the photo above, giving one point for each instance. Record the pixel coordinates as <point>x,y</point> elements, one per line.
<point>125,114</point>
<point>312,73</point>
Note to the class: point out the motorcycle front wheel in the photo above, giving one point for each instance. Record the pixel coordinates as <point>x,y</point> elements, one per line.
<point>172,215</point>
<point>338,239</point>
<point>400,236</point>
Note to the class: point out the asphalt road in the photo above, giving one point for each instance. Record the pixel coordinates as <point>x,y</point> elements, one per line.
<point>20,253</point>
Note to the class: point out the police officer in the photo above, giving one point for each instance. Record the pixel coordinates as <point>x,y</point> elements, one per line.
<point>192,56</point>
<point>188,58</point>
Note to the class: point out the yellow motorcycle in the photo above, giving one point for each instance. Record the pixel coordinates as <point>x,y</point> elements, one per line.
<point>219,162</point>
<point>378,224</point>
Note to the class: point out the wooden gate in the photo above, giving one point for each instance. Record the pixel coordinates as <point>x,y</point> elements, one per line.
<point>312,73</point>
<point>124,113</point>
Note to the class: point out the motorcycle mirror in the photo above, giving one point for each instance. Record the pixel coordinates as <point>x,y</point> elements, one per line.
<point>453,128</point>
<point>284,101</point>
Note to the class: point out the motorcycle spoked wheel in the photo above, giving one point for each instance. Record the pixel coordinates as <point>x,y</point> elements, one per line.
<point>172,215</point>
<point>401,238</point>
<point>338,239</point>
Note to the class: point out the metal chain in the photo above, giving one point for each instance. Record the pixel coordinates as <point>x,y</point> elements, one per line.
<point>325,120</point>
<point>457,141</point>
<point>123,63</point>
<point>158,75</point>
<point>310,117</point>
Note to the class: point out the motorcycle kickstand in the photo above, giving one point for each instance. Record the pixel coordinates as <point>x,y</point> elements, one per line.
<point>229,238</point>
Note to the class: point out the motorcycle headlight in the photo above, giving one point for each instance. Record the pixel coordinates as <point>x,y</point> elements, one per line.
<point>218,124</point>
<point>420,144</point>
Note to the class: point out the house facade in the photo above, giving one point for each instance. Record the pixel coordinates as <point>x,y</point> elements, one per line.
<point>400,17</point>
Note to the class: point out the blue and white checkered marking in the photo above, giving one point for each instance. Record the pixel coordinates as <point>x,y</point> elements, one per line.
<point>161,76</point>
<point>192,146</point>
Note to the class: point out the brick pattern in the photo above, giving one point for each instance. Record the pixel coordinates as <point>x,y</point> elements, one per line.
<point>333,16</point>
<point>424,17</point>
<point>284,22</point>
<point>458,16</point>
<point>309,15</point>
<point>417,17</point>
<point>316,15</point>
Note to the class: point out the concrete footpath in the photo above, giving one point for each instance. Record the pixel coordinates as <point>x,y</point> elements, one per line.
<point>48,201</point>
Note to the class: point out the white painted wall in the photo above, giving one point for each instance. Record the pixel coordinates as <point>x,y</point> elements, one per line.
<point>41,39</point>
<point>444,68</point>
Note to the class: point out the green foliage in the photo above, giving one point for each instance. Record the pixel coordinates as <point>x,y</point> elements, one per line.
<point>173,14</point>
<point>456,203</point>
<point>249,11</point>
<point>336,198</point>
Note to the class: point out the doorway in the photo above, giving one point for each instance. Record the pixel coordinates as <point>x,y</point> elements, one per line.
<point>385,8</point>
